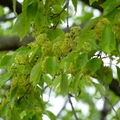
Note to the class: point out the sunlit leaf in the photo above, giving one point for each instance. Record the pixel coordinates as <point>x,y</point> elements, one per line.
<point>75,4</point>
<point>50,115</point>
<point>64,84</point>
<point>6,61</point>
<point>32,10</point>
<point>14,6</point>
<point>13,96</point>
<point>108,39</point>
<point>110,5</point>
<point>5,109</point>
<point>47,79</point>
<point>21,26</point>
<point>51,65</point>
<point>77,82</point>
<point>81,60</point>
<point>70,57</point>
<point>100,88</point>
<point>22,114</point>
<point>94,64</point>
<point>36,74</point>
<point>4,78</point>
<point>118,73</point>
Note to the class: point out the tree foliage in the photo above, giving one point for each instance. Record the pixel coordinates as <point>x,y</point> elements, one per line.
<point>68,63</point>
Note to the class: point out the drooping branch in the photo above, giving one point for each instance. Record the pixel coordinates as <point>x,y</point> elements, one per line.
<point>13,42</point>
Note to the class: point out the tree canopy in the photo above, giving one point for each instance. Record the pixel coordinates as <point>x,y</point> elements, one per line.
<point>59,52</point>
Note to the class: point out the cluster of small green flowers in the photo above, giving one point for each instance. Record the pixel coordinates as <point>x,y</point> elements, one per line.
<point>57,48</point>
<point>99,28</point>
<point>86,47</point>
<point>107,70</point>
<point>21,71</point>
<point>68,44</point>
<point>72,69</point>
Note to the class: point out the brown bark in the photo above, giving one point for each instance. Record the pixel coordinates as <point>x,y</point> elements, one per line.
<point>13,42</point>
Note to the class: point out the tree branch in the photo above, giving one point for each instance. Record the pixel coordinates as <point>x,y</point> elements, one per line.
<point>9,4</point>
<point>13,42</point>
<point>72,107</point>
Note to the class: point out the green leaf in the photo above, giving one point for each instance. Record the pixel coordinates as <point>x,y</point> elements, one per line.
<point>88,26</point>
<point>76,81</point>
<point>15,114</point>
<point>5,109</point>
<point>51,65</point>
<point>56,81</point>
<point>92,1</point>
<point>14,6</point>
<point>94,64</point>
<point>35,74</point>
<point>118,74</point>
<point>22,50</point>
<point>13,96</point>
<point>55,34</point>
<point>64,84</point>
<point>70,57</point>
<point>6,61</point>
<point>4,78</point>
<point>108,39</point>
<point>109,6</point>
<point>21,26</point>
<point>75,2</point>
<point>32,10</point>
<point>47,79</point>
<point>23,114</point>
<point>50,115</point>
<point>100,88</point>
<point>81,60</point>
<point>33,52</point>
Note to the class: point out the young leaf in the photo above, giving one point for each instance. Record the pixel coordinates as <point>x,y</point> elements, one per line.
<point>32,10</point>
<point>21,26</point>
<point>15,114</point>
<point>50,115</point>
<point>23,114</point>
<point>22,50</point>
<point>77,82</point>
<point>51,65</point>
<point>74,2</point>
<point>118,73</point>
<point>14,6</point>
<point>70,57</point>
<point>92,1</point>
<point>5,109</point>
<point>108,39</point>
<point>109,6</point>
<point>6,61</point>
<point>4,78</point>
<point>64,84</point>
<point>94,64</point>
<point>100,88</point>
<point>36,74</point>
<point>13,96</point>
<point>81,60</point>
<point>47,79</point>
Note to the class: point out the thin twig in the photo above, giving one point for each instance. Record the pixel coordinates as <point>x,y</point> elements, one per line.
<point>67,16</point>
<point>59,113</point>
<point>73,110</point>
<point>113,108</point>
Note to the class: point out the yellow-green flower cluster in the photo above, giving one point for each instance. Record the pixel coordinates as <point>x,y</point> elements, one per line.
<point>99,28</point>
